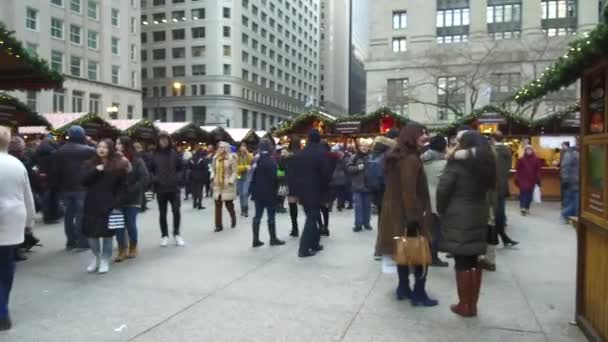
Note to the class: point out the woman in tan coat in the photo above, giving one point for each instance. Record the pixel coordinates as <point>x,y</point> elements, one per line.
<point>224,168</point>
<point>406,207</point>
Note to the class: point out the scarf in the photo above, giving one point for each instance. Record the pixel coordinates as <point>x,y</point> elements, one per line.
<point>219,169</point>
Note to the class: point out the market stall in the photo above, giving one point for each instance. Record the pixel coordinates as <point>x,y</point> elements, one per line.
<point>14,113</point>
<point>95,126</point>
<point>587,59</point>
<point>246,135</point>
<point>184,134</point>
<point>140,130</point>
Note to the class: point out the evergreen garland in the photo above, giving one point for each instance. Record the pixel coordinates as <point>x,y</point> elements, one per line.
<point>90,117</point>
<point>49,79</point>
<point>582,53</point>
<point>31,118</point>
<point>140,124</point>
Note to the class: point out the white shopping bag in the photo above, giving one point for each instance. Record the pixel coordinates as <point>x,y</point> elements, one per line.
<point>536,195</point>
<point>388,265</point>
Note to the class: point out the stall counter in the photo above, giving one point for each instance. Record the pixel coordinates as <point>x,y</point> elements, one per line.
<point>550,184</point>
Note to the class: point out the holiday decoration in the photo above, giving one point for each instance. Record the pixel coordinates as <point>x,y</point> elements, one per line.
<point>19,114</point>
<point>20,70</point>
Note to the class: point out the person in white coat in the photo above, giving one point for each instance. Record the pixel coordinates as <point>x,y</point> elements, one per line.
<point>17,214</point>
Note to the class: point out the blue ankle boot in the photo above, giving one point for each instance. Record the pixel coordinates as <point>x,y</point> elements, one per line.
<point>419,296</point>
<point>404,293</point>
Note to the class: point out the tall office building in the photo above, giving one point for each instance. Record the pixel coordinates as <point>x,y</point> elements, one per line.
<point>359,32</point>
<point>240,63</point>
<point>334,56</point>
<point>94,43</point>
<point>434,60</point>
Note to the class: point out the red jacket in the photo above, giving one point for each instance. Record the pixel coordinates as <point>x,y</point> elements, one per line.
<point>528,172</point>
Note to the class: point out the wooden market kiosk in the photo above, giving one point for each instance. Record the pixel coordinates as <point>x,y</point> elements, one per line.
<point>587,60</point>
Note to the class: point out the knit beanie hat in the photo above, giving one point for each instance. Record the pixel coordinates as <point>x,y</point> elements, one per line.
<point>77,134</point>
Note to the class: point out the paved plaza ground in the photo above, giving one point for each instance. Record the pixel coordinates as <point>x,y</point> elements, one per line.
<point>218,288</point>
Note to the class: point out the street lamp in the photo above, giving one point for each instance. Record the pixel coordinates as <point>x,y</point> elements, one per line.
<point>112,111</point>
<point>178,88</point>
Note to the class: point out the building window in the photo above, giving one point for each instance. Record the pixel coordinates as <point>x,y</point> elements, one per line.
<point>562,31</point>
<point>504,13</point>
<point>158,3</point>
<point>178,1</point>
<point>57,3</point>
<point>158,18</point>
<point>57,61</point>
<point>115,43</point>
<point>198,32</point>
<point>115,17</point>
<point>226,13</point>
<point>263,121</point>
<point>75,37</point>
<point>133,26</point>
<point>194,90</point>
<point>114,115</point>
<point>451,91</point>
<point>227,70</point>
<point>198,14</point>
<point>198,51</point>
<point>160,114</point>
<point>399,20</point>
<point>179,114</point>
<point>179,71</point>
<point>177,16</point>
<point>158,36</point>
<point>198,70</point>
<point>94,103</point>
<point>227,89</point>
<point>130,110</point>
<point>245,118</point>
<point>459,38</point>
<point>132,54</point>
<point>32,100</point>
<point>75,6</point>
<point>254,120</point>
<point>31,19</point>
<point>158,54</point>
<point>92,37</point>
<point>504,85</point>
<point>199,115</point>
<point>245,75</point>
<point>92,9</point>
<point>115,74</point>
<point>179,34</point>
<point>92,70</point>
<point>453,17</point>
<point>59,100</point>
<point>558,9</point>
<point>399,44</point>
<point>227,51</point>
<point>77,100</point>
<point>56,28</point>
<point>226,31</point>
<point>159,72</point>
<point>178,53</point>
<point>75,66</point>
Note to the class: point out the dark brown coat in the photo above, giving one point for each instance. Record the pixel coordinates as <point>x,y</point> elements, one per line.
<point>406,200</point>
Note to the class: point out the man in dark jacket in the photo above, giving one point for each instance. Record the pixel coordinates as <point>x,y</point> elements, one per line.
<point>166,169</point>
<point>504,162</point>
<point>43,159</point>
<point>361,193</point>
<point>308,179</point>
<point>199,176</point>
<point>68,164</point>
<point>263,189</point>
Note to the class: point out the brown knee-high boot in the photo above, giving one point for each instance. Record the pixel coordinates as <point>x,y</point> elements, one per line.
<point>476,274</point>
<point>218,216</point>
<point>230,207</point>
<point>464,282</point>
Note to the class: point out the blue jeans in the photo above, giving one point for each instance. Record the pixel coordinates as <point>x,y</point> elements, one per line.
<point>101,247</point>
<point>570,204</point>
<point>525,198</point>
<point>74,206</point>
<point>7,275</point>
<point>242,188</point>
<point>363,208</point>
<point>271,211</point>
<point>130,228</point>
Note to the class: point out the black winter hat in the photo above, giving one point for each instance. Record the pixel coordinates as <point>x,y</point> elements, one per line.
<point>314,136</point>
<point>438,143</point>
<point>393,133</point>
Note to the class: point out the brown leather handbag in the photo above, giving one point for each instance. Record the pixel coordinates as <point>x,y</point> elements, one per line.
<point>412,251</point>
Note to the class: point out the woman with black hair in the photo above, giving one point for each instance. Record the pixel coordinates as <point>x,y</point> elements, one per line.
<point>136,185</point>
<point>286,157</point>
<point>462,203</point>
<point>105,181</point>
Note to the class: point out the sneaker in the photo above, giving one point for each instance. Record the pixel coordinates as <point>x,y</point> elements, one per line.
<point>93,266</point>
<point>104,266</point>
<point>164,241</point>
<point>179,241</point>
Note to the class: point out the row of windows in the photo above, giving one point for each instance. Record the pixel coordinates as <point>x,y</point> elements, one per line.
<point>199,114</point>
<point>76,65</point>
<point>281,30</point>
<point>267,100</point>
<point>75,6</point>
<point>278,87</point>
<point>176,16</point>
<point>266,121</point>
<point>266,51</point>
<point>504,13</point>
<point>78,103</point>
<point>301,18</point>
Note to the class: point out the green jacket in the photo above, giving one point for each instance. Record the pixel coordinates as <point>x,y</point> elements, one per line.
<point>463,209</point>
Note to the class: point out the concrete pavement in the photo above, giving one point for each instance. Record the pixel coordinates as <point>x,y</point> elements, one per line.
<point>218,288</point>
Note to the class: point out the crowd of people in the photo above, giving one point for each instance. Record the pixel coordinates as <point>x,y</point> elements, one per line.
<point>453,196</point>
